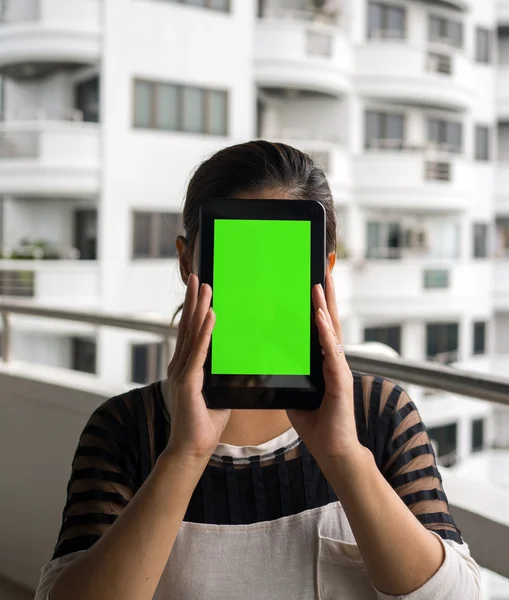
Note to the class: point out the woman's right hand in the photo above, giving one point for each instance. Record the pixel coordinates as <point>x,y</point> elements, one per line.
<point>195,429</point>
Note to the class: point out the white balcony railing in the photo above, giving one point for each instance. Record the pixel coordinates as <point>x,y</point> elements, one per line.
<point>303,10</point>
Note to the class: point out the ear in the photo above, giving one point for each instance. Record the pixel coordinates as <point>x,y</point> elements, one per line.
<point>185,258</point>
<point>331,261</point>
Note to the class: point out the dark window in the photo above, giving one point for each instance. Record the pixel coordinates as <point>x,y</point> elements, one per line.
<point>477,435</point>
<point>180,108</point>
<point>446,136</point>
<point>480,337</point>
<point>384,240</point>
<point>446,440</point>
<point>87,94</point>
<point>445,31</point>
<point>442,342</point>
<point>154,234</point>
<point>483,45</point>
<point>146,362</point>
<point>436,278</point>
<point>390,336</point>
<point>85,233</point>
<point>384,131</point>
<point>83,355</point>
<point>480,240</point>
<point>385,21</point>
<point>482,143</point>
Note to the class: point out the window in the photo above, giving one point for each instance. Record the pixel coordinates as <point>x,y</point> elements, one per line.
<point>146,362</point>
<point>483,45</point>
<point>482,143</point>
<point>503,237</point>
<point>446,136</point>
<point>154,234</point>
<point>385,21</point>
<point>384,131</point>
<point>479,338</point>
<point>442,342</point>
<point>87,99</point>
<point>83,353</point>
<point>445,31</point>
<point>477,435</point>
<point>390,336</point>
<point>480,240</point>
<point>180,108</point>
<point>85,233</point>
<point>384,240</point>
<point>436,279</point>
<point>445,439</point>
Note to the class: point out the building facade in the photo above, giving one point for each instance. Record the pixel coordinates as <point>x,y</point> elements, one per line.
<point>108,105</point>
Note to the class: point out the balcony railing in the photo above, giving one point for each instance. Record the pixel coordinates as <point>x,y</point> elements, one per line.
<point>482,517</point>
<point>302,10</point>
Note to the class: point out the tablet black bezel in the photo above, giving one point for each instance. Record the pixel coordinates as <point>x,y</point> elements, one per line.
<point>217,388</point>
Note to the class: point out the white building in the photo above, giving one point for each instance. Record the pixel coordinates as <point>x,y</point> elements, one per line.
<point>109,104</point>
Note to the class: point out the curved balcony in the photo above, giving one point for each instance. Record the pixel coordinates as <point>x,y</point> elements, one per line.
<point>293,54</point>
<point>397,71</point>
<point>49,158</point>
<point>51,282</point>
<point>503,92</point>
<point>40,36</point>
<point>403,288</point>
<point>502,13</point>
<point>502,285</point>
<point>415,180</point>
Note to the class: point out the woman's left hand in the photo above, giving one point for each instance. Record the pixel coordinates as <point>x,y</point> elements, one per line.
<point>330,431</point>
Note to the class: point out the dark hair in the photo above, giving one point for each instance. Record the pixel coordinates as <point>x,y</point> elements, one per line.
<point>256,166</point>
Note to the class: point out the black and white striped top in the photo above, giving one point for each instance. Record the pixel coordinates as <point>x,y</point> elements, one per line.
<point>123,438</point>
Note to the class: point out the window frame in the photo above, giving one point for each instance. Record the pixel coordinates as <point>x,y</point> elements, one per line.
<point>382,118</point>
<point>78,342</point>
<point>386,8</point>
<point>444,133</point>
<point>483,154</point>
<point>383,335</point>
<point>483,55</point>
<point>484,253</point>
<point>206,92</point>
<point>477,432</point>
<point>480,331</point>
<point>443,334</point>
<point>444,24</point>
<point>156,232</point>
<point>153,361</point>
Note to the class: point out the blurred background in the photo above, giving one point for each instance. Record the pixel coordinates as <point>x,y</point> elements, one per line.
<point>107,106</point>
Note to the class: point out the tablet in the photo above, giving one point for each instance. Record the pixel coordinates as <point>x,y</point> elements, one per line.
<point>262,258</point>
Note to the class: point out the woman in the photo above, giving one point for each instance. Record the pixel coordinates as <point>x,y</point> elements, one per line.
<point>170,500</point>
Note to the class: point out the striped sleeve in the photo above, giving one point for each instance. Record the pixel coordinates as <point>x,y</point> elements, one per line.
<point>390,425</point>
<point>103,477</point>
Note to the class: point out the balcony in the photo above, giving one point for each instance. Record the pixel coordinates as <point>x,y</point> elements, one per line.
<point>38,37</point>
<point>502,91</point>
<point>47,408</point>
<point>302,55</point>
<point>396,70</point>
<point>502,285</point>
<point>413,179</point>
<point>502,13</point>
<point>51,282</point>
<point>502,189</point>
<point>43,157</point>
<point>422,288</point>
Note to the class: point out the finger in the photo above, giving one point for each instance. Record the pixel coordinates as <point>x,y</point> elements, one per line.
<point>320,302</point>
<point>333,363</point>
<point>201,344</point>
<point>200,312</point>
<point>332,306</point>
<point>187,313</point>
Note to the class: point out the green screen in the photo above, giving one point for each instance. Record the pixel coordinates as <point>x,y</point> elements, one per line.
<point>261,297</point>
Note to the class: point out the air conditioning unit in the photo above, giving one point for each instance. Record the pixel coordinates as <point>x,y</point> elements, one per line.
<point>437,171</point>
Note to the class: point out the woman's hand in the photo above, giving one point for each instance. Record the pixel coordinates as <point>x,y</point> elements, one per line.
<point>195,429</point>
<point>330,432</point>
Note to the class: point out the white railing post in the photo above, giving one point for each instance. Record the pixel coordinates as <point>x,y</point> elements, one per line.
<point>6,337</point>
